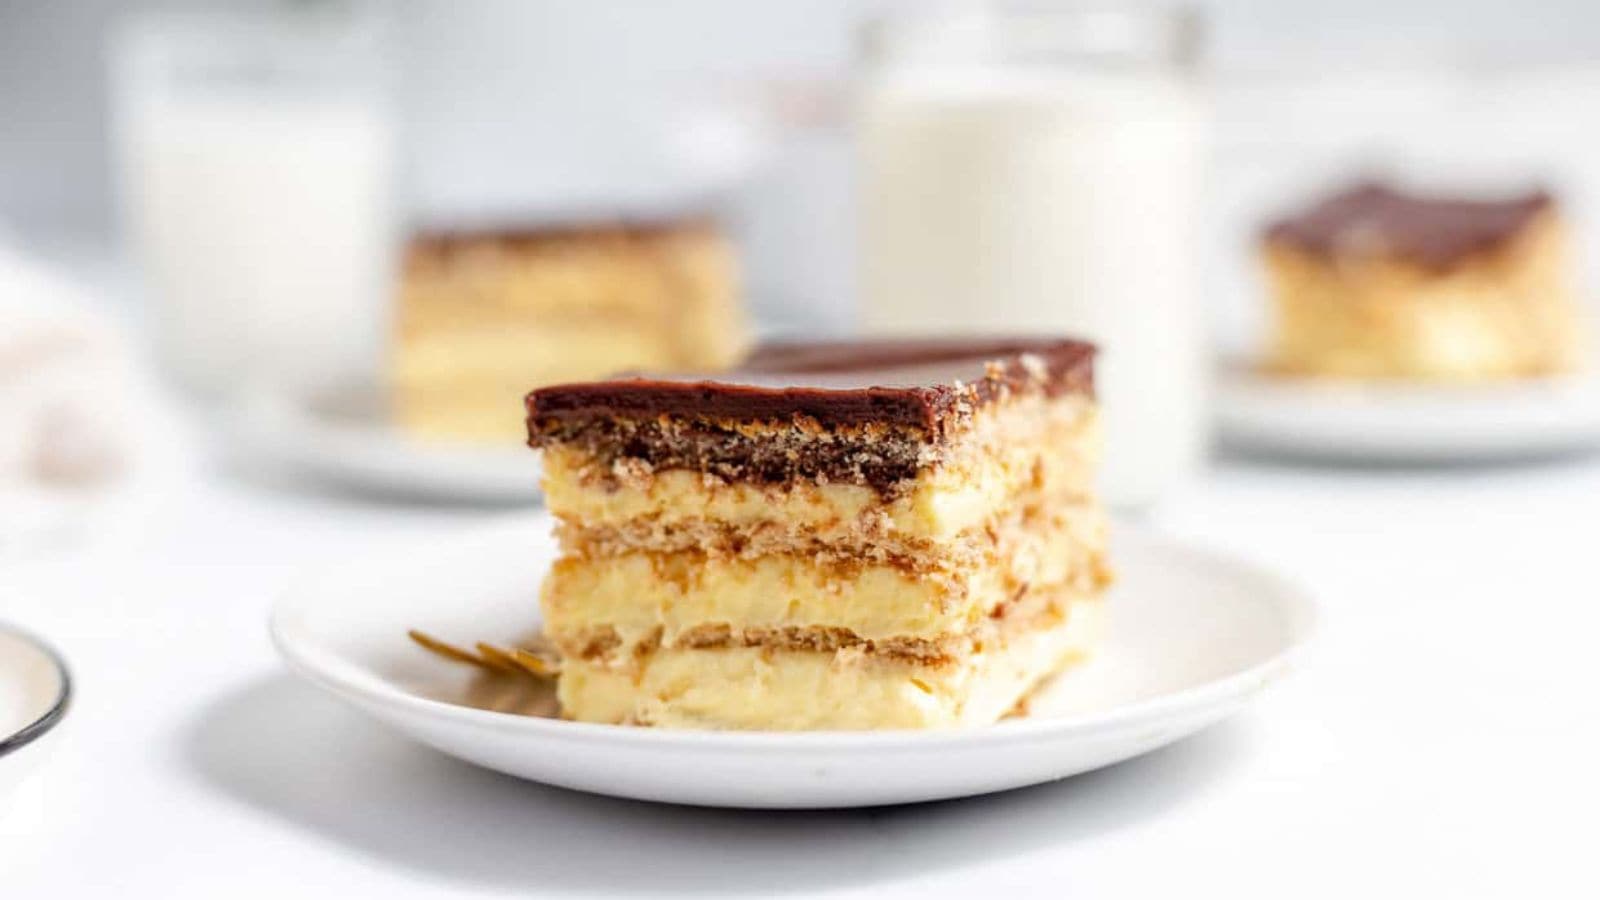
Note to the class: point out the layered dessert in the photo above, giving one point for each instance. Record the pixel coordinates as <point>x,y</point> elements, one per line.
<point>833,536</point>
<point>1375,283</point>
<point>484,315</point>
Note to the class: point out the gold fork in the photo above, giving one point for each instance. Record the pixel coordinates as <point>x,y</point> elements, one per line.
<point>515,661</point>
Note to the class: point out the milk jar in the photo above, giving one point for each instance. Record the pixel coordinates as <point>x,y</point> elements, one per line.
<point>256,165</point>
<point>1036,169</point>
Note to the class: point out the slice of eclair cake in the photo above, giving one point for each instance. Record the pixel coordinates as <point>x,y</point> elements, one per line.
<point>884,534</point>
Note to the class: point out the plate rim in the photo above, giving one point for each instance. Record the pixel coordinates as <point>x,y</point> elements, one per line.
<point>281,425</point>
<point>337,674</point>
<point>56,713</point>
<point>1546,415</point>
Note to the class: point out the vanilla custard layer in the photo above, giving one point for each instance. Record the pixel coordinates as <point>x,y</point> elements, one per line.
<point>650,597</point>
<point>758,688</point>
<point>1048,445</point>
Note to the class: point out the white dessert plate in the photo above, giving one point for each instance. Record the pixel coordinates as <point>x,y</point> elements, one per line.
<point>35,691</point>
<point>1193,636</point>
<point>1407,423</point>
<point>343,435</point>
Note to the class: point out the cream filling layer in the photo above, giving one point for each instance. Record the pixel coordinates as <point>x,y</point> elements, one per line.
<point>759,689</point>
<point>1046,445</point>
<point>647,597</point>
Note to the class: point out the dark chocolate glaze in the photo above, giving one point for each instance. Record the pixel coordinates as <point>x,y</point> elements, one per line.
<point>1436,232</point>
<point>882,461</point>
<point>910,383</point>
<point>466,238</point>
<point>883,406</point>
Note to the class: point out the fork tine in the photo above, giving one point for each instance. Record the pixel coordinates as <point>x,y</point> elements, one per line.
<point>497,658</point>
<point>535,665</point>
<point>446,650</point>
<point>516,661</point>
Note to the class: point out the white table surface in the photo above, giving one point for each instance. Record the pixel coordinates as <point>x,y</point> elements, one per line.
<point>1441,739</point>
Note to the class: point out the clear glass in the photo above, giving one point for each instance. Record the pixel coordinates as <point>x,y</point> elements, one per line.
<point>1038,168</point>
<point>256,161</point>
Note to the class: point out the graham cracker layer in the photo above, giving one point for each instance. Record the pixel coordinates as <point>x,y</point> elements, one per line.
<point>867,539</point>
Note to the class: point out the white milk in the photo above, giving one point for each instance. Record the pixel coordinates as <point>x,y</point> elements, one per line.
<point>1036,200</point>
<point>265,231</point>
<point>257,170</point>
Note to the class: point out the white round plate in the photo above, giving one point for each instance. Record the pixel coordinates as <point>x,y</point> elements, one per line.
<point>344,436</point>
<point>35,691</point>
<point>1193,636</point>
<point>1407,422</point>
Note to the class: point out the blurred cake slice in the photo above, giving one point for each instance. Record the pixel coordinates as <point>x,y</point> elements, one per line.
<point>485,315</point>
<point>1374,283</point>
<point>833,536</point>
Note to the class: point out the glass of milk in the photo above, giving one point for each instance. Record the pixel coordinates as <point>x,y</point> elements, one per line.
<point>256,161</point>
<point>1029,168</point>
